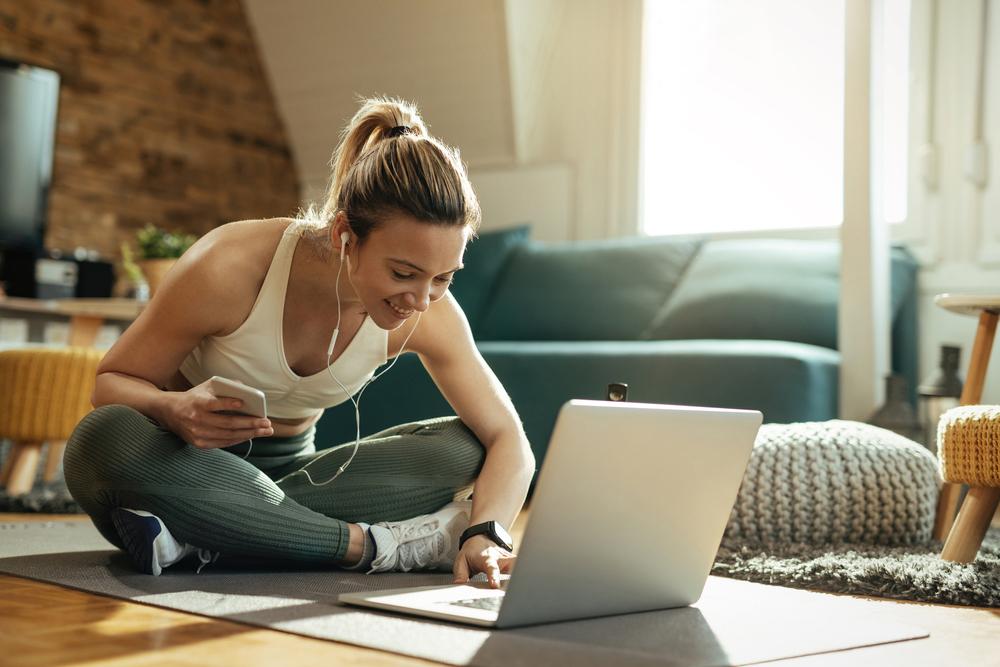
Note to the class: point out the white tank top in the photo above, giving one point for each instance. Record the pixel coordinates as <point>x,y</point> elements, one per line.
<point>255,353</point>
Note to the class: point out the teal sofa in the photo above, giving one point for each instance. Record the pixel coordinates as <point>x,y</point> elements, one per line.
<point>726,323</point>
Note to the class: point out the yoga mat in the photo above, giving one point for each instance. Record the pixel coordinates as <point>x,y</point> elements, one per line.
<point>735,622</point>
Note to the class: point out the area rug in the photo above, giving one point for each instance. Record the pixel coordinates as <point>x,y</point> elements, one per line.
<point>45,497</point>
<point>51,498</point>
<point>903,573</point>
<point>734,622</point>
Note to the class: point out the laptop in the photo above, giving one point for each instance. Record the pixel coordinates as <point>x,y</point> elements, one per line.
<point>627,516</point>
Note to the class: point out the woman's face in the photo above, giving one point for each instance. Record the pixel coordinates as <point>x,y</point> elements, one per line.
<point>403,266</point>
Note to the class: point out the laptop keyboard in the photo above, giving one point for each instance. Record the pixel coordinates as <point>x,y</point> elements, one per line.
<point>491,603</point>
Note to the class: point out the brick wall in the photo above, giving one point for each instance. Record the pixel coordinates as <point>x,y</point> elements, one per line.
<point>165,116</point>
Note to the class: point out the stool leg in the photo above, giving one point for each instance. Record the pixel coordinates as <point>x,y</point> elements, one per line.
<point>22,474</point>
<point>970,527</point>
<point>8,465</point>
<point>972,393</point>
<point>55,455</point>
<point>15,454</point>
<point>947,506</point>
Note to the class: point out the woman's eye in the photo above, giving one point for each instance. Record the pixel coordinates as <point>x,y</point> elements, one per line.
<point>407,276</point>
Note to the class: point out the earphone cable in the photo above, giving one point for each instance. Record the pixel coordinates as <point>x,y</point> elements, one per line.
<point>357,416</point>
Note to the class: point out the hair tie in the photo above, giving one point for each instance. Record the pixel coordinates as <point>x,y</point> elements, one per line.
<point>398,130</point>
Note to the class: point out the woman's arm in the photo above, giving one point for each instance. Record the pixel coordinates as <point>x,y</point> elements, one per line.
<point>197,299</point>
<point>139,366</point>
<point>444,343</point>
<point>115,388</point>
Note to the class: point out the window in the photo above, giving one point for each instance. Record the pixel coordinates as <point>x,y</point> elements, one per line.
<point>742,114</point>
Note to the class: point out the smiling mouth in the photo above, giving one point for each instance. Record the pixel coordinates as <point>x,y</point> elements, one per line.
<point>399,311</point>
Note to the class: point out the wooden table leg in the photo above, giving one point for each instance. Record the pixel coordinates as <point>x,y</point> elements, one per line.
<point>83,330</point>
<point>972,393</point>
<point>972,390</point>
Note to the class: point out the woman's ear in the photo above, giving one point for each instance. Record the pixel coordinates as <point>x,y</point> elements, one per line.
<point>340,234</point>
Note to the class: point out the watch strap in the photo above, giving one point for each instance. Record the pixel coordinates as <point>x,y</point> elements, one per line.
<point>490,529</point>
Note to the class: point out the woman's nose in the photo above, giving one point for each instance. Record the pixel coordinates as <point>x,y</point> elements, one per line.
<point>419,300</point>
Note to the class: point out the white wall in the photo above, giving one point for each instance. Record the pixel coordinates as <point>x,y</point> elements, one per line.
<point>538,195</point>
<point>953,225</point>
<point>574,85</point>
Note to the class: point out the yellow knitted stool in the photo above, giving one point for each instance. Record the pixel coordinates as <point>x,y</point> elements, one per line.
<point>969,452</point>
<point>44,393</point>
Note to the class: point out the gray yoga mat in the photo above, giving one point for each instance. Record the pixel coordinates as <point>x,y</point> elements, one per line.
<point>735,622</point>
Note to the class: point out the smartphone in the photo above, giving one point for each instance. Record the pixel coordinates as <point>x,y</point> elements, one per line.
<point>254,403</point>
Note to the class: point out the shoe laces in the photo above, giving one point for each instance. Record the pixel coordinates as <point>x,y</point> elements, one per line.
<point>206,557</point>
<point>416,541</point>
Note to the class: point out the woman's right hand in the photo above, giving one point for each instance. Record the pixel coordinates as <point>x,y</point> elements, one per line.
<point>194,415</point>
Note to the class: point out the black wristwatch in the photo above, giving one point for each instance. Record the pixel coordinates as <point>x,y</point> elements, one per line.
<point>490,529</point>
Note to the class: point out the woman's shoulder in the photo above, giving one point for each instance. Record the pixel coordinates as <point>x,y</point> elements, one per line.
<point>436,331</point>
<point>241,245</point>
<point>230,261</point>
<point>245,236</point>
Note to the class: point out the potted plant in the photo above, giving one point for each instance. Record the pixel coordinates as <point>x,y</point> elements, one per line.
<point>134,273</point>
<point>158,251</point>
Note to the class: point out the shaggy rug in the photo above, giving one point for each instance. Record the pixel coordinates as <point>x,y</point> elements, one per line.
<point>45,497</point>
<point>51,498</point>
<point>905,573</point>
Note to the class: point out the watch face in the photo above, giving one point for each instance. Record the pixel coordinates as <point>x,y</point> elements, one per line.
<point>504,536</point>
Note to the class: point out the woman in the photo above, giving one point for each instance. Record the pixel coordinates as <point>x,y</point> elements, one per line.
<point>165,469</point>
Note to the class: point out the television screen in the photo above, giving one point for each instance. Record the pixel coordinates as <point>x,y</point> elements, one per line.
<point>28,101</point>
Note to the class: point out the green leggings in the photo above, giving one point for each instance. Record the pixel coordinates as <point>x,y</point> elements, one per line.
<point>260,508</point>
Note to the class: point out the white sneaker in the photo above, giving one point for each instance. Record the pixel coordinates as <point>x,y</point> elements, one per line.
<point>426,542</point>
<point>150,544</point>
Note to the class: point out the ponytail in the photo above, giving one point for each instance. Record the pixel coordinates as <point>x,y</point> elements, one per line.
<point>386,162</point>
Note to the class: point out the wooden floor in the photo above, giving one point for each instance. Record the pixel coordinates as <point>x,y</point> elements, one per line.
<point>44,624</point>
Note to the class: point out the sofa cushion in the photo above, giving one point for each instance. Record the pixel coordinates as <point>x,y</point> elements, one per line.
<point>484,261</point>
<point>585,290</point>
<point>766,289</point>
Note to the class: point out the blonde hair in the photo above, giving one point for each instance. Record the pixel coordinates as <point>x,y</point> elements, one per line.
<point>386,162</point>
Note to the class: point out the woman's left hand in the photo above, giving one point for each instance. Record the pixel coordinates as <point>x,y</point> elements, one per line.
<point>481,554</point>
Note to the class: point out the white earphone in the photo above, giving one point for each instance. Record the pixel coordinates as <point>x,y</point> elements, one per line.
<point>344,238</point>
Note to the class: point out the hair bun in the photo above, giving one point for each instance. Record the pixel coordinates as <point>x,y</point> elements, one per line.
<point>399,130</point>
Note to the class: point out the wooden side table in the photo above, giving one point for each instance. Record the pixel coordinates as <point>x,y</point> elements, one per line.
<point>86,315</point>
<point>987,308</point>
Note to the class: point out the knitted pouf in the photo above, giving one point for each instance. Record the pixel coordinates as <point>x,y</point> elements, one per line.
<point>834,482</point>
<point>969,445</point>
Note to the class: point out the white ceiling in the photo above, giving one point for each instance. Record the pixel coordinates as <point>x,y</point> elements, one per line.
<point>448,56</point>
